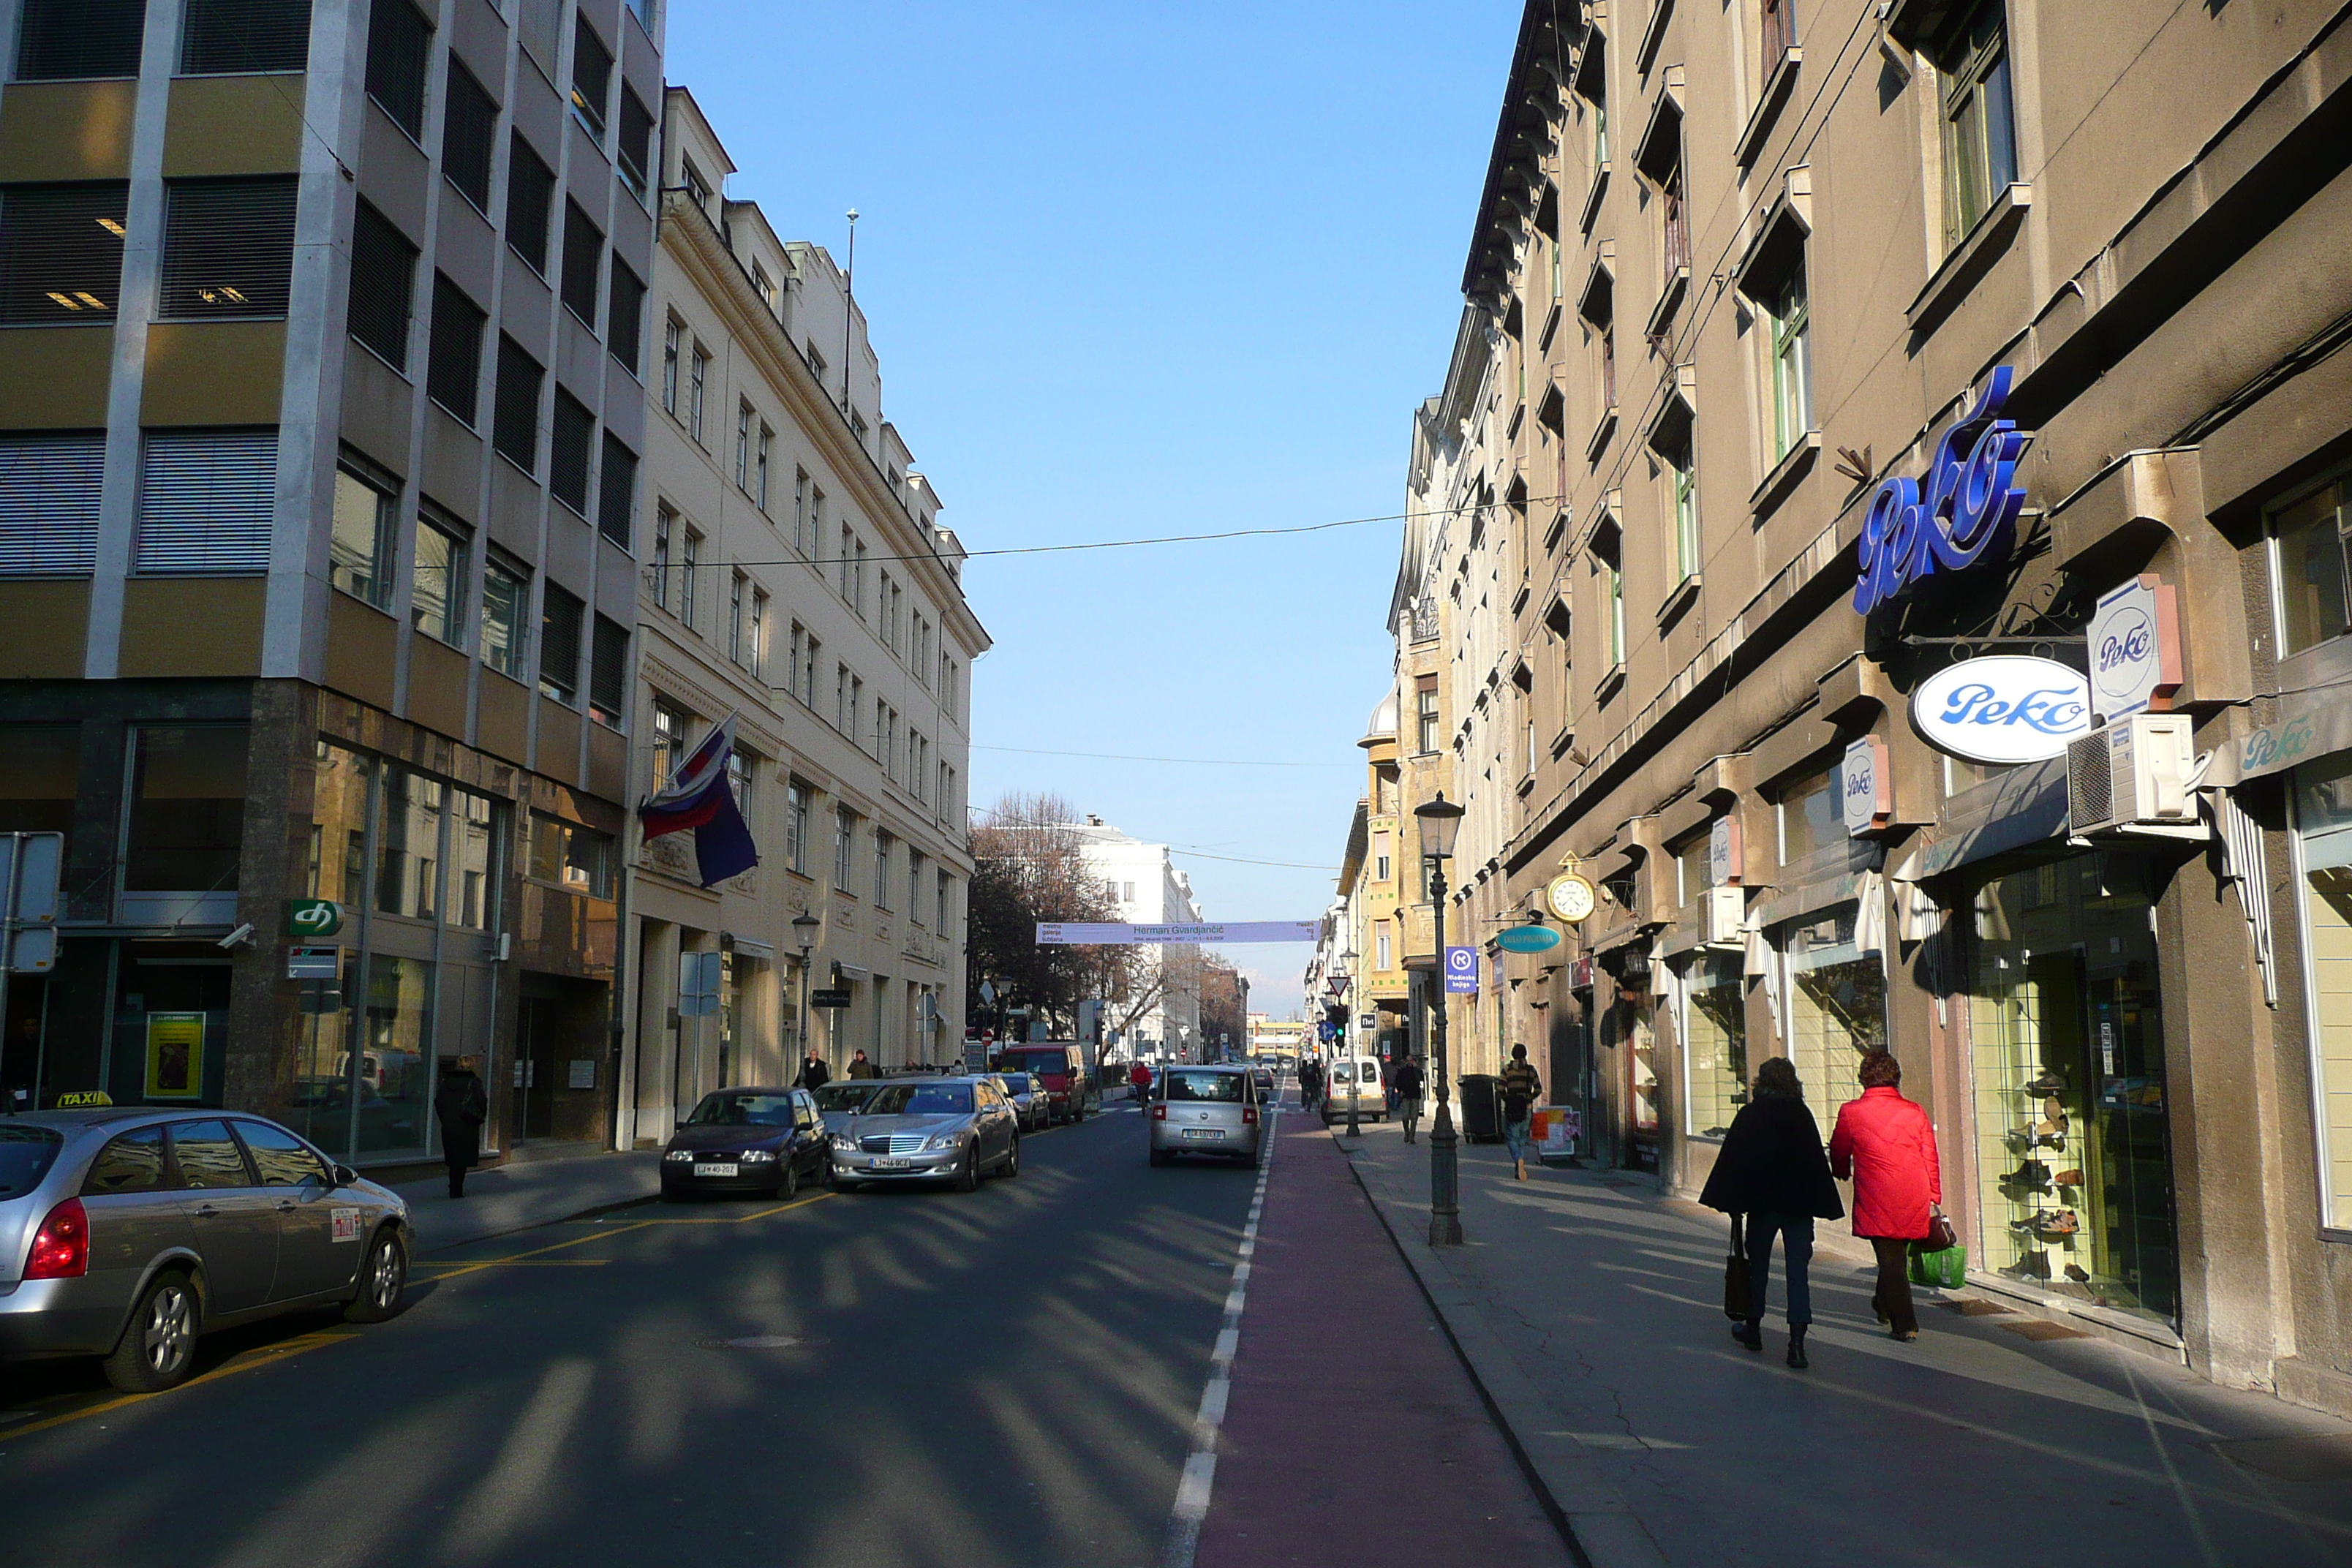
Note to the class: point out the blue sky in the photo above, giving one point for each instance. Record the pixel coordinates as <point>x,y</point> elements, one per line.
<point>1136,270</point>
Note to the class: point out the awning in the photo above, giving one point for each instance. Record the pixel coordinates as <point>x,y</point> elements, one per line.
<point>745,947</point>
<point>2311,724</point>
<point>2026,805</point>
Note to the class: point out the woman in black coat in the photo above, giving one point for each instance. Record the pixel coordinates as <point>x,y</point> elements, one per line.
<point>1773,1170</point>
<point>461,1107</point>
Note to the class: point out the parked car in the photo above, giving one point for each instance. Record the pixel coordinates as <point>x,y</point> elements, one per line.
<point>128,1233</point>
<point>1356,1078</point>
<point>1028,1098</point>
<point>763,1140</point>
<point>1267,1093</point>
<point>1061,1066</point>
<point>958,1130</point>
<point>1205,1111</point>
<point>842,1099</point>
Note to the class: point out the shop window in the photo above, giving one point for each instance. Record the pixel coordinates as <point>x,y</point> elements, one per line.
<point>395,1058</point>
<point>1810,816</point>
<point>1980,137</point>
<point>1715,1041</point>
<point>2071,1160</point>
<point>569,855</point>
<point>61,252</point>
<point>1837,1010</point>
<point>408,845</point>
<point>68,40</point>
<point>2312,565</point>
<point>2324,831</point>
<point>38,784</point>
<point>438,585</point>
<point>187,809</point>
<point>473,859</point>
<point>360,549</point>
<point>338,824</point>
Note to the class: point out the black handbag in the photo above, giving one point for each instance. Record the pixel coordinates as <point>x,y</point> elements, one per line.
<point>1735,1274</point>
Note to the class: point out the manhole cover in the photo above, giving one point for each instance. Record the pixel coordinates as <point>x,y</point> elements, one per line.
<point>762,1343</point>
<point>2327,1457</point>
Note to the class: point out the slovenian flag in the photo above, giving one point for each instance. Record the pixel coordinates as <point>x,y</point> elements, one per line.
<point>698,797</point>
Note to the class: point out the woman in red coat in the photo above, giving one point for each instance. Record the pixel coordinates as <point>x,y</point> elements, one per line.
<point>1885,1143</point>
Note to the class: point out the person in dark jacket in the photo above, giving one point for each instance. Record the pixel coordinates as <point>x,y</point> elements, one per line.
<point>461,1106</point>
<point>1408,1089</point>
<point>1773,1170</point>
<point>1521,1089</point>
<point>860,1067</point>
<point>815,1074</point>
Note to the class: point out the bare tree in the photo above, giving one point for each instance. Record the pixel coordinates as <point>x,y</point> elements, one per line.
<point>1030,866</point>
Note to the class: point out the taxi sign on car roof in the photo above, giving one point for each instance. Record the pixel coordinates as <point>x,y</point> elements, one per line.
<point>83,1100</point>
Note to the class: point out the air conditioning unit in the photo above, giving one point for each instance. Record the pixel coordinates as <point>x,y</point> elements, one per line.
<point>1721,912</point>
<point>2137,775</point>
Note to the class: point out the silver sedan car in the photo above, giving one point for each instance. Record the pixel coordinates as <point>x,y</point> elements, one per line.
<point>1028,1098</point>
<point>127,1232</point>
<point>956,1130</point>
<point>1205,1111</point>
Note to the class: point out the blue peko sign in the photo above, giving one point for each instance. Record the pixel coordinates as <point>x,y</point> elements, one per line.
<point>1967,510</point>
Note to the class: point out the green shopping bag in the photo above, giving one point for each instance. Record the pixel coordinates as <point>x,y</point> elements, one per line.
<point>1947,1268</point>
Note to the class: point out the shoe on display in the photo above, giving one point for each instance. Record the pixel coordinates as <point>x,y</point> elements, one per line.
<point>2071,1178</point>
<point>2053,1127</point>
<point>2074,1272</point>
<point>2052,1109</point>
<point>2031,1174</point>
<point>2064,1221</point>
<point>2032,1266</point>
<point>2048,1083</point>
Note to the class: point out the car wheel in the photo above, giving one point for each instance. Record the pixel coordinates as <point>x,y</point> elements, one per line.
<point>159,1345</point>
<point>967,1176</point>
<point>383,1278</point>
<point>788,1185</point>
<point>1012,1159</point>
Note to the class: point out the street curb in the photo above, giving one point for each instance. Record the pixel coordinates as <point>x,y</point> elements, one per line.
<point>1599,1527</point>
<point>591,1212</point>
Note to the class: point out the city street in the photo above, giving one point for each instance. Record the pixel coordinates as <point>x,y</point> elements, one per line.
<point>883,1378</point>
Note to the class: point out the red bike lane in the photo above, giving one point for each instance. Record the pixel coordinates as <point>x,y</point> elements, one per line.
<point>1352,1433</point>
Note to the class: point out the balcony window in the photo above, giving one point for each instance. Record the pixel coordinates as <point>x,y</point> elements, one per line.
<point>1979,126</point>
<point>228,249</point>
<point>69,40</point>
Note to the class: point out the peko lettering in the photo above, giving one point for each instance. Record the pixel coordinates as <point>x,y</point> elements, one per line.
<point>2131,648</point>
<point>1966,509</point>
<point>2051,710</point>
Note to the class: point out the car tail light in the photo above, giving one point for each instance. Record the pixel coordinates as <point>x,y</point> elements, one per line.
<point>61,1247</point>
<point>1158,1113</point>
<point>1249,1115</point>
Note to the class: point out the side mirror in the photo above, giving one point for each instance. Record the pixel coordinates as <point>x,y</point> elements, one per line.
<point>345,1176</point>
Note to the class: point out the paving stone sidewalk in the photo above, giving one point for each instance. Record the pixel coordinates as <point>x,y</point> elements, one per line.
<point>522,1193</point>
<point>1591,1309</point>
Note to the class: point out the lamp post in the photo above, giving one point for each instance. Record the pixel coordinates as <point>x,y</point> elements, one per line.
<point>804,930</point>
<point>1440,819</point>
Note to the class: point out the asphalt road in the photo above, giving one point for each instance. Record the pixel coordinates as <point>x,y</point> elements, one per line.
<point>1004,1377</point>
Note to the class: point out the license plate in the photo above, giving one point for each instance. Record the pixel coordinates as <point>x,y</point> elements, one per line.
<point>1205,1134</point>
<point>889,1163</point>
<point>726,1170</point>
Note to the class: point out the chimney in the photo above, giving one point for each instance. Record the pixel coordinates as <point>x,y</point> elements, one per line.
<point>1093,821</point>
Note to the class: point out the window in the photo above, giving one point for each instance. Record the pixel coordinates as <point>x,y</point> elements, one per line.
<point>2322,823</point>
<point>471,843</point>
<point>616,495</point>
<point>1685,483</point>
<point>737,591</point>
<point>796,815</point>
<point>570,855</point>
<point>205,501</point>
<point>694,403</point>
<point>1380,862</point>
<point>438,580</point>
<point>228,250</point>
<point>469,135</point>
<point>400,43</point>
<point>1673,219</point>
<point>758,649</point>
<point>559,645</point>
<point>1777,30</point>
<point>1810,816</point>
<point>65,40</point>
<point>584,260</point>
<point>1382,953</point>
<point>841,716</point>
<point>360,551</point>
<point>881,870</point>
<point>697,189</point>
<point>61,251</point>
<point>408,845</point>
<point>592,78</point>
<point>506,593</point>
<point>224,37</point>
<point>608,673</point>
<point>759,467</point>
<point>947,895</point>
<point>187,811</point>
<point>845,839</point>
<point>664,520</point>
<point>817,523</point>
<point>742,445</point>
<point>531,202</point>
<point>808,673</point>
<point>816,360</point>
<point>634,151</point>
<point>131,1164</point>
<point>1980,143</point>
<point>514,421</point>
<point>1792,364</point>
<point>569,442</point>
<point>858,581</point>
<point>848,543</point>
<point>914,885</point>
<point>205,1154</point>
<point>281,1159</point>
<point>763,285</point>
<point>743,768</point>
<point>453,365</point>
<point>670,331</point>
<point>688,564</point>
<point>624,327</point>
<point>2312,565</point>
<point>1425,697</point>
<point>49,487</point>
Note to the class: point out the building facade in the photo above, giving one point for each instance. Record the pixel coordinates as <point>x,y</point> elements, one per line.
<point>320,545</point>
<point>798,580</point>
<point>1844,373</point>
<point>1161,1017</point>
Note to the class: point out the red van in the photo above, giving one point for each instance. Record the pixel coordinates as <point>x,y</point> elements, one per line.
<point>1060,1068</point>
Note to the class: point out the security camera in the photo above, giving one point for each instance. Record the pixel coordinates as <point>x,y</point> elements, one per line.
<point>241,937</point>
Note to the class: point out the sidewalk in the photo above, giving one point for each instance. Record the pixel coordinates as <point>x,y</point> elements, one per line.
<point>521,1194</point>
<point>1351,1433</point>
<point>1590,1309</point>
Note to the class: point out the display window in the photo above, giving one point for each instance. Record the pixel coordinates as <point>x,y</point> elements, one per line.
<point>2066,1046</point>
<point>1837,1009</point>
<point>1715,1040</point>
<point>2323,813</point>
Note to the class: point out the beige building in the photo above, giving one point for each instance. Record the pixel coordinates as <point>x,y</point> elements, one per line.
<point>1738,274</point>
<point>796,576</point>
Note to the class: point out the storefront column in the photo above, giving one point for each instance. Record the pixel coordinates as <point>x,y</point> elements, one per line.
<point>658,1029</point>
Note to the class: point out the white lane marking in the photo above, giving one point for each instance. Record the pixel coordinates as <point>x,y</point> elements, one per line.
<point>1193,1491</point>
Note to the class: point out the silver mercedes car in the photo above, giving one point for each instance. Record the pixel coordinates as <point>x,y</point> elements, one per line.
<point>956,1130</point>
<point>126,1233</point>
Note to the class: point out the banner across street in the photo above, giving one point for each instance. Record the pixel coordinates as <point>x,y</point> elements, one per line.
<point>1111,935</point>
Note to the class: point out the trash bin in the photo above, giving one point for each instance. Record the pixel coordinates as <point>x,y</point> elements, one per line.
<point>1482,1108</point>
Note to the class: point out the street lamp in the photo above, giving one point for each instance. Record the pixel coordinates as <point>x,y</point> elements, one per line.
<point>804,930</point>
<point>1440,820</point>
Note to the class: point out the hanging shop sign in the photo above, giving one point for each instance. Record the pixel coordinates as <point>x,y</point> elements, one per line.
<point>1962,511</point>
<point>1526,938</point>
<point>1723,853</point>
<point>2003,709</point>
<point>2135,648</point>
<point>1866,790</point>
<point>1462,971</point>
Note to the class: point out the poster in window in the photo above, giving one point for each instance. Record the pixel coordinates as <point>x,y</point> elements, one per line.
<point>175,1056</point>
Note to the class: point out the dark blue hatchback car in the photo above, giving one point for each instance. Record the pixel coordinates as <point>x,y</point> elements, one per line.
<point>764,1140</point>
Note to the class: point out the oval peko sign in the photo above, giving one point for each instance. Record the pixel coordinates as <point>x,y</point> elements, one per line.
<point>1526,938</point>
<point>2002,709</point>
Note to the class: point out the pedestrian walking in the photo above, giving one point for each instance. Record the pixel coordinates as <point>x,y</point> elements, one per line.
<point>1311,1082</point>
<point>1887,1145</point>
<point>1408,1087</point>
<point>1774,1174</point>
<point>815,1074</point>
<point>1521,1089</point>
<point>461,1107</point>
<point>860,1067</point>
<point>1388,1083</point>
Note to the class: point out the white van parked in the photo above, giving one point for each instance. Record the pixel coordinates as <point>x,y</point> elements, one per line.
<point>1358,1078</point>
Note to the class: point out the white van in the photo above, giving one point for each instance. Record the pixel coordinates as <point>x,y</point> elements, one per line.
<point>1359,1077</point>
